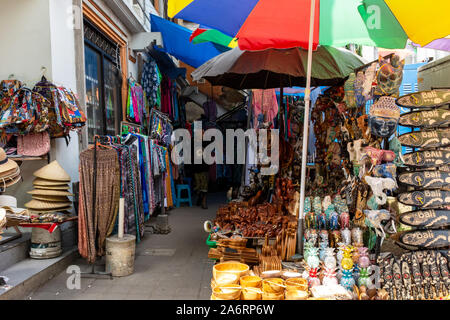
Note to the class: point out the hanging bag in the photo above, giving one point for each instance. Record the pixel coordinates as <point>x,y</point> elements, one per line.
<point>33,145</point>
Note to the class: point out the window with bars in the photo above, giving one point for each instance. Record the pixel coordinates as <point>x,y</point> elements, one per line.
<point>103,83</point>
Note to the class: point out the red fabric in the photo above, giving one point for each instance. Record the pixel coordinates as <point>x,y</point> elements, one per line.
<point>279,24</point>
<point>197,32</point>
<point>50,227</point>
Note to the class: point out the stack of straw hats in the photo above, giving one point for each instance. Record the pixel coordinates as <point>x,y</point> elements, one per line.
<point>9,171</point>
<point>51,190</point>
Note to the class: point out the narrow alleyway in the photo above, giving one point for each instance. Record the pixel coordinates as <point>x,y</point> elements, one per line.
<point>167,267</point>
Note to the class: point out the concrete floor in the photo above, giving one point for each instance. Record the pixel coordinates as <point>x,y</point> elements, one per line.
<point>173,266</point>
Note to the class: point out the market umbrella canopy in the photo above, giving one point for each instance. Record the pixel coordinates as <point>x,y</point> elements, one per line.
<point>274,68</point>
<point>262,24</point>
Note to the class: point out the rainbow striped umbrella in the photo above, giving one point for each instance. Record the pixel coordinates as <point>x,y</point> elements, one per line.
<point>262,24</point>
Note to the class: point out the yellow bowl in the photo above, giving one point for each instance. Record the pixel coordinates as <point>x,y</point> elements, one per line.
<point>297,284</point>
<point>251,293</point>
<point>227,292</point>
<point>273,285</point>
<point>296,294</point>
<point>251,281</point>
<point>272,296</point>
<point>229,272</point>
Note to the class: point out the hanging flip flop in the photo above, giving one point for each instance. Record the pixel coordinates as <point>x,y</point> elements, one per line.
<point>426,179</point>
<point>427,159</point>
<point>425,99</point>
<point>426,198</point>
<point>425,119</point>
<point>426,239</point>
<point>426,139</point>
<point>426,219</point>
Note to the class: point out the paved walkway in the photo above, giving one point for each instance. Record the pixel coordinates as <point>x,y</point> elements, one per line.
<point>173,266</point>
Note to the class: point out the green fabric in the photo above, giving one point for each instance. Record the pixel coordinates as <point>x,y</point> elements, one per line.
<point>213,36</point>
<point>344,21</point>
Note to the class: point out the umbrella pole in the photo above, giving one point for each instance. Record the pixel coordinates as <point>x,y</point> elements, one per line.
<point>306,130</point>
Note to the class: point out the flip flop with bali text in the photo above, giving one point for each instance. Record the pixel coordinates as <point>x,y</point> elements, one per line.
<point>426,179</point>
<point>426,139</point>
<point>426,219</point>
<point>427,159</point>
<point>426,119</point>
<point>425,198</point>
<point>425,99</point>
<point>426,239</point>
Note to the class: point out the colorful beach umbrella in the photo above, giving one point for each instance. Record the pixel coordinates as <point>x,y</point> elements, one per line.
<point>261,24</point>
<point>274,68</point>
<point>201,35</point>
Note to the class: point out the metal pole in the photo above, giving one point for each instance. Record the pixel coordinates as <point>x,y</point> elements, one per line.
<point>306,129</point>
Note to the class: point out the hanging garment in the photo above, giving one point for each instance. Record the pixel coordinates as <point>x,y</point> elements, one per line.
<point>136,111</point>
<point>93,228</point>
<point>210,109</point>
<point>264,103</point>
<point>151,80</point>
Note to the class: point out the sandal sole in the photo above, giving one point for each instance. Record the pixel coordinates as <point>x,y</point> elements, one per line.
<point>425,198</point>
<point>426,139</point>
<point>426,119</point>
<point>427,159</point>
<point>425,99</point>
<point>426,219</point>
<point>426,179</point>
<point>427,239</point>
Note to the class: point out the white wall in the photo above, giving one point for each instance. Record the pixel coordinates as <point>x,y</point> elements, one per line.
<point>35,34</point>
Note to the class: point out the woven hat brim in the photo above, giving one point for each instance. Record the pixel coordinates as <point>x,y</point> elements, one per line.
<point>50,210</point>
<point>52,171</point>
<point>13,181</point>
<point>9,165</point>
<point>46,205</point>
<point>51,198</point>
<point>49,192</point>
<point>44,182</point>
<point>63,187</point>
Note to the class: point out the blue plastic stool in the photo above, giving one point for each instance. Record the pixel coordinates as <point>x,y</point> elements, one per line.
<point>181,187</point>
<point>189,182</point>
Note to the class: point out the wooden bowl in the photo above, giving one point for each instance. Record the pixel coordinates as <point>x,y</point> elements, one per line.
<point>290,274</point>
<point>272,296</point>
<point>273,285</point>
<point>229,272</point>
<point>251,281</point>
<point>227,292</point>
<point>271,274</point>
<point>293,294</point>
<point>251,293</point>
<point>297,284</point>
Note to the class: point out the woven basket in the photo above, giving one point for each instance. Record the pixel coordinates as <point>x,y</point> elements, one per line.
<point>296,294</point>
<point>227,292</point>
<point>297,284</point>
<point>272,296</point>
<point>251,281</point>
<point>273,285</point>
<point>251,293</point>
<point>222,271</point>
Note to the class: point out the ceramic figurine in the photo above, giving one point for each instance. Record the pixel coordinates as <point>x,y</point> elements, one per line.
<point>346,237</point>
<point>335,238</point>
<point>311,236</point>
<point>363,261</point>
<point>322,221</point>
<point>307,249</point>
<point>324,236</point>
<point>317,206</point>
<point>344,220</point>
<point>333,221</point>
<point>340,254</point>
<point>322,250</point>
<point>310,220</point>
<point>357,237</point>
<point>313,263</point>
<point>347,280</point>
<point>364,279</point>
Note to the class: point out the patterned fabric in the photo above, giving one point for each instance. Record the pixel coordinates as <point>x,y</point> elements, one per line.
<point>64,111</point>
<point>94,228</point>
<point>26,112</point>
<point>264,103</point>
<point>151,80</point>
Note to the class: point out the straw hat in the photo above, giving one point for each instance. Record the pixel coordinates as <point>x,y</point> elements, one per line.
<point>11,182</point>
<point>51,198</point>
<point>43,192</point>
<point>8,201</point>
<point>44,182</point>
<point>5,163</point>
<point>63,187</point>
<point>62,210</point>
<point>46,205</point>
<point>53,171</point>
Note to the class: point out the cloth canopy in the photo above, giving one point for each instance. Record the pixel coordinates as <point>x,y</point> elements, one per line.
<point>176,43</point>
